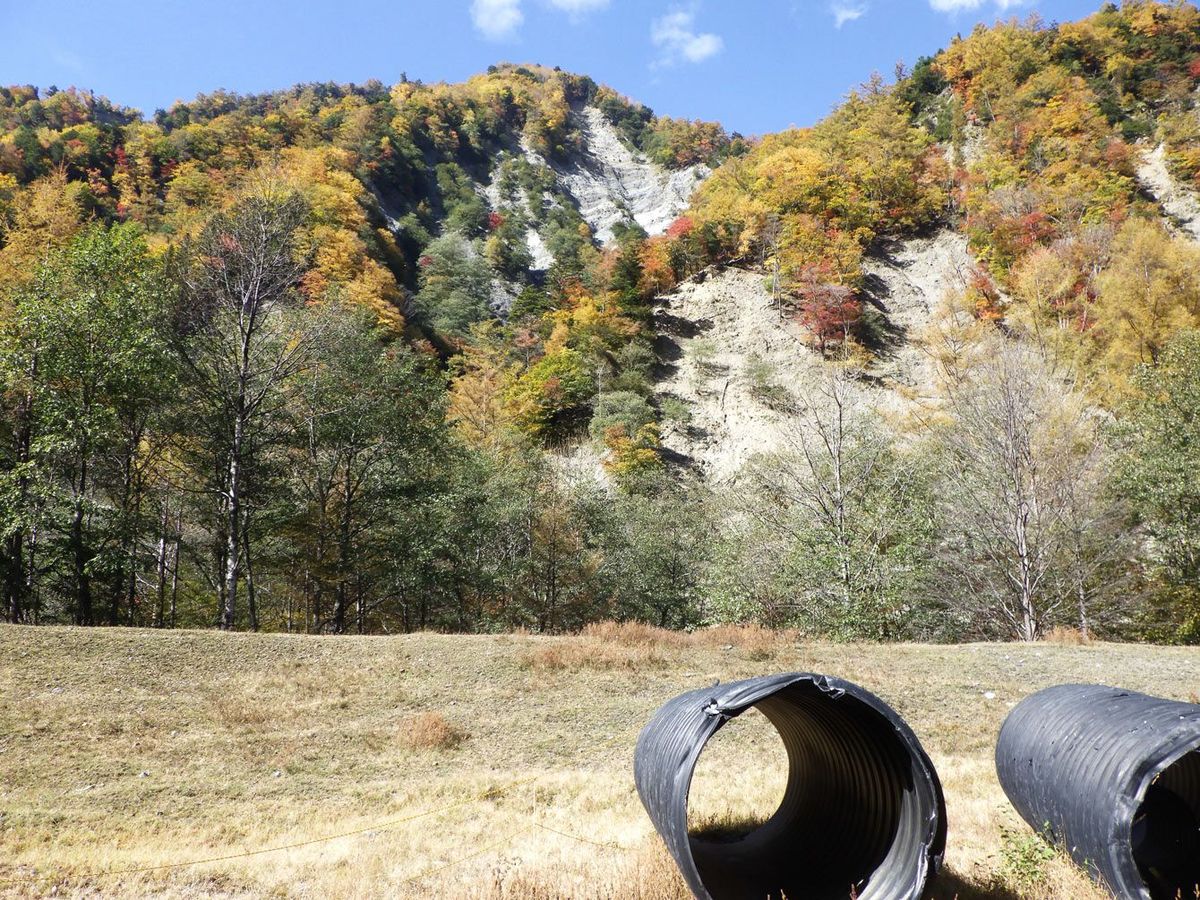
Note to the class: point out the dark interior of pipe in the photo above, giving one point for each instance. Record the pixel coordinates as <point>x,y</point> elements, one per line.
<point>843,817</point>
<point>1166,832</point>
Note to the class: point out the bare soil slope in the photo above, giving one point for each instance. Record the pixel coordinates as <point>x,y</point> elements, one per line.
<point>1180,206</point>
<point>718,331</point>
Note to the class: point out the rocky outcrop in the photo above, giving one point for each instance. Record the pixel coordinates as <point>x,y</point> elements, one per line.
<point>1178,203</point>
<point>721,339</point>
<point>608,183</point>
<point>611,183</point>
<point>907,281</point>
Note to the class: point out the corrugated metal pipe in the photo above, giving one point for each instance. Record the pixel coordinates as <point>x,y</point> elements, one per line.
<point>1114,777</point>
<point>862,814</point>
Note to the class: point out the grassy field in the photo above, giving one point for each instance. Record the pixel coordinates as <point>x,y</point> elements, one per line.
<point>126,750</point>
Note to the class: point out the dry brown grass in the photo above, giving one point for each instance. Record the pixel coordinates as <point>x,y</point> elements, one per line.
<point>589,653</point>
<point>252,742</point>
<point>633,646</point>
<point>431,731</point>
<point>647,874</point>
<point>634,634</point>
<point>1067,637</point>
<point>756,642</point>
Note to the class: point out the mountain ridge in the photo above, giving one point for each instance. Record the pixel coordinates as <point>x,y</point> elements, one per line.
<point>785,407</point>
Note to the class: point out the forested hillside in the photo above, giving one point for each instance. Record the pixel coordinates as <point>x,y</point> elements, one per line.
<point>461,356</point>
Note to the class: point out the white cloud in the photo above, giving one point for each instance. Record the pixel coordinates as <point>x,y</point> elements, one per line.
<point>954,6</point>
<point>676,36</point>
<point>577,7</point>
<point>497,19</point>
<point>846,12</point>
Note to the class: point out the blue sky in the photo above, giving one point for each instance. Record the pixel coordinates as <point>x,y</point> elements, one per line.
<point>754,65</point>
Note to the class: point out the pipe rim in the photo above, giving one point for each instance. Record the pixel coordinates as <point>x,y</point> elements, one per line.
<point>918,821</point>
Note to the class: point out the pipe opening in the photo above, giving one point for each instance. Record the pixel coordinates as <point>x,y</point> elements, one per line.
<point>739,780</point>
<point>1165,838</point>
<point>846,825</point>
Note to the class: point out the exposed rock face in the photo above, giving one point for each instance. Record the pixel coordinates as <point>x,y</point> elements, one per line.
<point>608,183</point>
<point>1179,203</point>
<point>908,281</point>
<point>543,259</point>
<point>710,332</point>
<point>611,182</point>
<point>721,336</point>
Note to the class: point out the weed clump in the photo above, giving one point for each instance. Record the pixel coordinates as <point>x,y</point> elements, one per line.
<point>588,653</point>
<point>1067,637</point>
<point>1024,858</point>
<point>431,731</point>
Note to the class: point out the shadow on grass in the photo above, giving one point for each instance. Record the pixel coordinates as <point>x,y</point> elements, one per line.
<point>950,885</point>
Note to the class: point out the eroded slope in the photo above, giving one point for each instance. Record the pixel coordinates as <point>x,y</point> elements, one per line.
<point>744,368</point>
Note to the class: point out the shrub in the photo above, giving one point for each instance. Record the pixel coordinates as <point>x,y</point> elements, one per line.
<point>675,410</point>
<point>577,654</point>
<point>634,634</point>
<point>620,409</point>
<point>760,376</point>
<point>704,352</point>
<point>635,368</point>
<point>1024,856</point>
<point>1067,637</point>
<point>758,643</point>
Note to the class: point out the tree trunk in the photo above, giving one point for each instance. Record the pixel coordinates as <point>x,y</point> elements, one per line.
<point>160,569</point>
<point>21,580</point>
<point>251,600</point>
<point>233,526</point>
<point>344,553</point>
<point>32,592</point>
<point>318,581</point>
<point>839,500</point>
<point>175,565</point>
<point>15,582</point>
<point>79,559</point>
<point>1028,626</point>
<point>1081,596</point>
<point>132,505</point>
<point>83,588</point>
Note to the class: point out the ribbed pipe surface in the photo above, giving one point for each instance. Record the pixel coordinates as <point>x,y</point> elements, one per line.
<point>862,813</point>
<point>1114,777</point>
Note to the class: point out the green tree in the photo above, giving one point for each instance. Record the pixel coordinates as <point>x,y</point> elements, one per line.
<point>1161,475</point>
<point>507,250</point>
<point>368,444</point>
<point>87,355</point>
<point>243,340</point>
<point>656,547</point>
<point>455,286</point>
<point>620,409</point>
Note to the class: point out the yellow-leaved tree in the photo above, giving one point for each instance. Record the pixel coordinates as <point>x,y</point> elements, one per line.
<point>1150,291</point>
